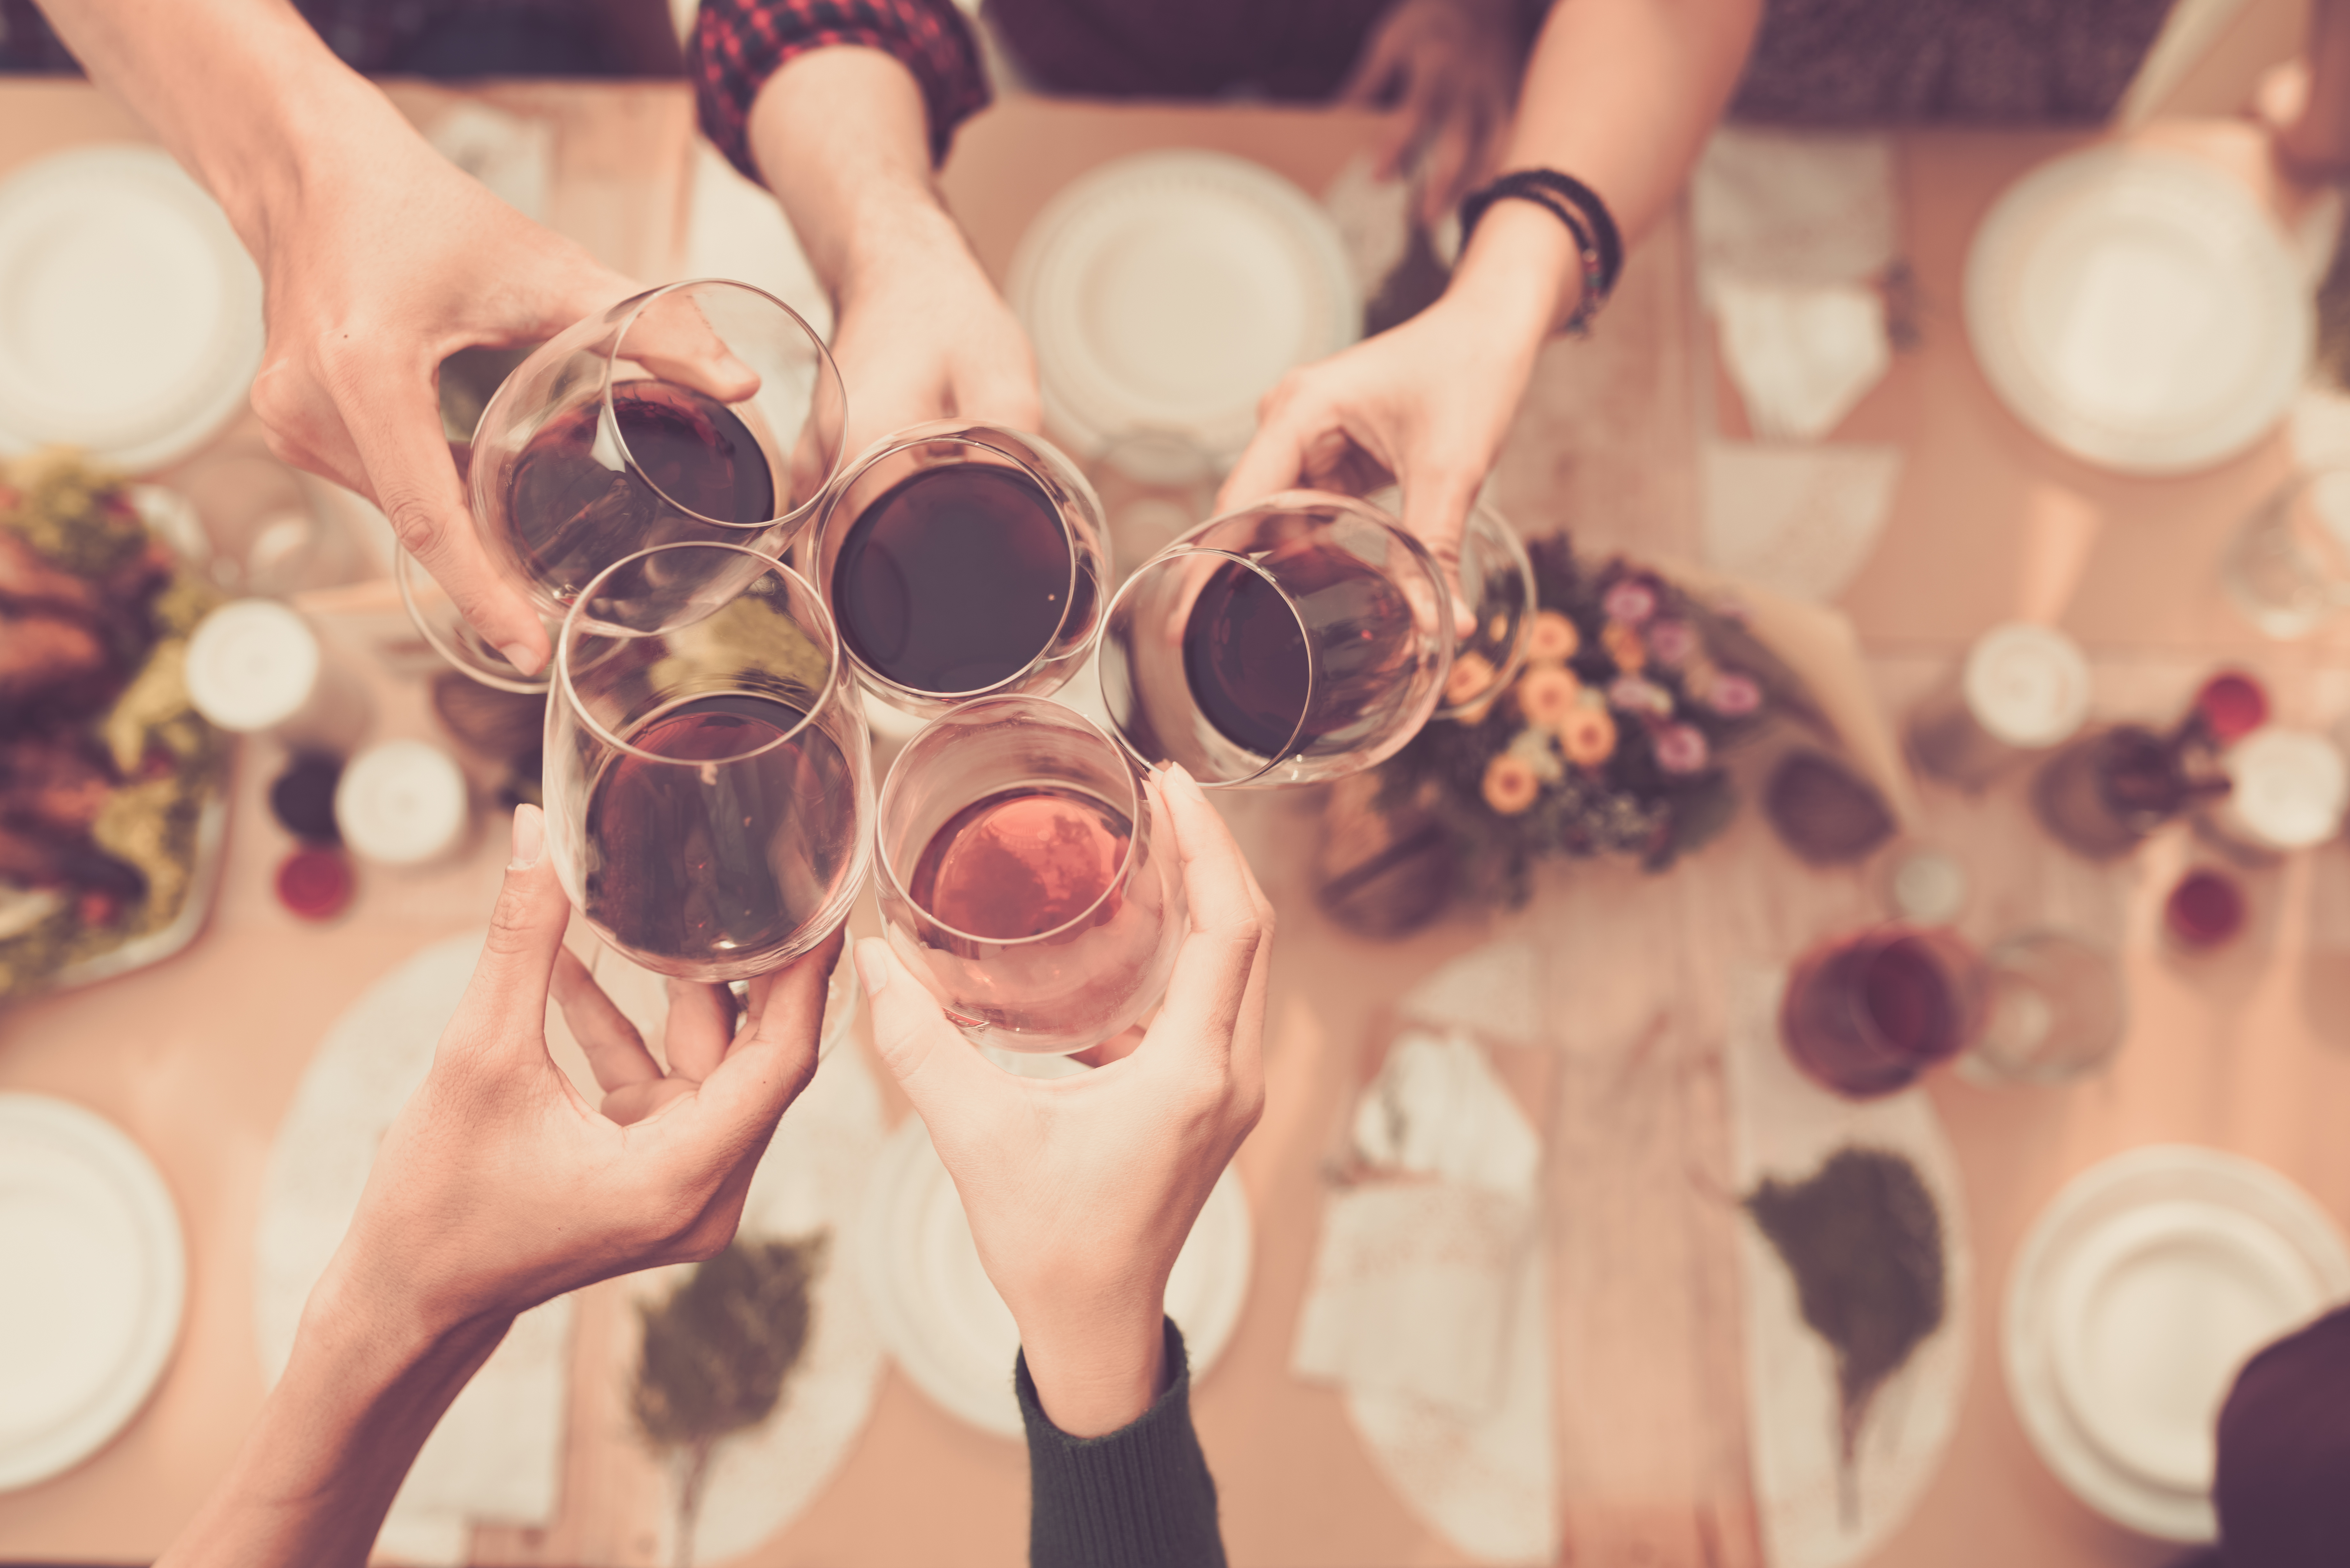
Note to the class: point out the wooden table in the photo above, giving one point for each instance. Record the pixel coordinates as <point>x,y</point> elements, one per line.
<point>197,1057</point>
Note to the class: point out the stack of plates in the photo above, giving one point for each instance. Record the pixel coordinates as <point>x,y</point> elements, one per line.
<point>129,316</point>
<point>939,1313</point>
<point>1169,291</point>
<point>2138,309</point>
<point>95,1279</point>
<point>2137,1297</point>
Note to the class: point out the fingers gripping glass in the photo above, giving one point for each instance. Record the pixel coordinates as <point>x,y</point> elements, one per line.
<point>1306,638</point>
<point>706,412</point>
<point>709,784</point>
<point>1023,878</point>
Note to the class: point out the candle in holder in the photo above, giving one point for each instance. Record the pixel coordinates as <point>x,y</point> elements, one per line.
<point>255,667</point>
<point>403,803</point>
<point>2288,790</point>
<point>2023,688</point>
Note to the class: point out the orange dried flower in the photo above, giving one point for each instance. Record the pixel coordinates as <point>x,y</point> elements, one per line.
<point>1472,672</point>
<point>1555,640</point>
<point>1587,736</point>
<point>1510,786</point>
<point>1547,694</point>
<point>1624,646</point>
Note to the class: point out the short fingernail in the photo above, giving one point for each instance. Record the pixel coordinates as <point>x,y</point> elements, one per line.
<point>529,837</point>
<point>873,965</point>
<point>519,656</point>
<point>1180,778</point>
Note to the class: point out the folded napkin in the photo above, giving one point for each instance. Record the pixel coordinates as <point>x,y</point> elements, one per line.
<point>1799,520</point>
<point>1793,231</point>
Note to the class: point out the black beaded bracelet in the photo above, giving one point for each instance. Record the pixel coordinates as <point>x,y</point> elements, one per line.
<point>1586,217</point>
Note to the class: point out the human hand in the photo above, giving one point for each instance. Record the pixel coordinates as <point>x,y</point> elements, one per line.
<point>1081,1190</point>
<point>498,1187</point>
<point>371,280</point>
<point>924,335</point>
<point>1451,68</point>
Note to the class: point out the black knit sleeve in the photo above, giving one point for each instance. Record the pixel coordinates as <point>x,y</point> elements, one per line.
<point>1139,1497</point>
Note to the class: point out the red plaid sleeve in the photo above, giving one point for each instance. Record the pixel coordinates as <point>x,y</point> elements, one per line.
<point>739,43</point>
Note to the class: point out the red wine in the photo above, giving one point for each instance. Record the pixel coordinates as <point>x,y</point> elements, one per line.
<point>576,507</point>
<point>700,864</point>
<point>953,579</point>
<point>1245,654</point>
<point>1906,999</point>
<point>1021,862</point>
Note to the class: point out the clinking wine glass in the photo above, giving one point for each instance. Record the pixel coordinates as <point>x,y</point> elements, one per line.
<point>1306,637</point>
<point>961,560</point>
<point>706,410</point>
<point>1023,877</point>
<point>709,779</point>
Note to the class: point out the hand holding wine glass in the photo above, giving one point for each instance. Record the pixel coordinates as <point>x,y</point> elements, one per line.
<point>1080,1190</point>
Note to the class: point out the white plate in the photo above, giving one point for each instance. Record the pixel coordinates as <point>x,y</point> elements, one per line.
<point>130,317</point>
<point>940,1314</point>
<point>2138,1294</point>
<point>2138,309</point>
<point>1170,291</point>
<point>97,1277</point>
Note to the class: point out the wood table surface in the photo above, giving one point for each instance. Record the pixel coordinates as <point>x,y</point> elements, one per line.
<point>197,1057</point>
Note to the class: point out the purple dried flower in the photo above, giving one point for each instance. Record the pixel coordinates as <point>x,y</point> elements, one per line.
<point>1630,602</point>
<point>1681,749</point>
<point>1671,642</point>
<point>1733,694</point>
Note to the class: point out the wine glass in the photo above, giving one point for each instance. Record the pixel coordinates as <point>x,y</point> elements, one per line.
<point>1865,1015</point>
<point>961,560</point>
<point>1304,638</point>
<point>708,783</point>
<point>1020,879</point>
<point>701,411</point>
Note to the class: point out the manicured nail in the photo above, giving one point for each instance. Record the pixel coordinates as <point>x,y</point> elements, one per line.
<point>529,837</point>
<point>1180,778</point>
<point>873,965</point>
<point>519,655</point>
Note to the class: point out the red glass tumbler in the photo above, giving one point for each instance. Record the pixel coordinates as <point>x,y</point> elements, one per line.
<point>1865,1015</point>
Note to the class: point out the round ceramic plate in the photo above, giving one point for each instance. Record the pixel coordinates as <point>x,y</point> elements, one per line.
<point>1170,290</point>
<point>129,316</point>
<point>940,1314</point>
<point>97,1277</point>
<point>2138,309</point>
<point>2136,1297</point>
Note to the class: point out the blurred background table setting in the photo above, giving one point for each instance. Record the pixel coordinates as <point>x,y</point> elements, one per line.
<point>1828,1052</point>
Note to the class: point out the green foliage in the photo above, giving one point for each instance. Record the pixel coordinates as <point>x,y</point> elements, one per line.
<point>717,1352</point>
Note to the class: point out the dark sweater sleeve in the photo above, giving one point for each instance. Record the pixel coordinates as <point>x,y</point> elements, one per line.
<point>1139,1497</point>
<point>738,43</point>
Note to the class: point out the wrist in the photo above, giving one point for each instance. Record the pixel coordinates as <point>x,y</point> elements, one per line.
<point>1522,271</point>
<point>1096,1371</point>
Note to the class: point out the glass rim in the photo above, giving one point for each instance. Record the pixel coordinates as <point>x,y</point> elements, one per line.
<point>1967,982</point>
<point>561,687</point>
<point>1136,783</point>
<point>1168,556</point>
<point>966,433</point>
<point>612,355</point>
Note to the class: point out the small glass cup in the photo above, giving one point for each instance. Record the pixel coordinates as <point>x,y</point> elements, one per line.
<point>704,410</point>
<point>1021,878</point>
<point>2058,1011</point>
<point>1304,638</point>
<point>1865,1015</point>
<point>926,608</point>
<point>2023,688</point>
<point>2288,569</point>
<point>708,776</point>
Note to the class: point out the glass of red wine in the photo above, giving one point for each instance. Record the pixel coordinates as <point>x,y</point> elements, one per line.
<point>1865,1015</point>
<point>709,779</point>
<point>961,560</point>
<point>1023,878</point>
<point>706,410</point>
<point>1301,639</point>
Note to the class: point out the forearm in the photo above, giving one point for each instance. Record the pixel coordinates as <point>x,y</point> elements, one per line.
<point>334,1440</point>
<point>1620,94</point>
<point>242,92</point>
<point>841,136</point>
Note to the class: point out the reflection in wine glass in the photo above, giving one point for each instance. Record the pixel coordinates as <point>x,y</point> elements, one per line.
<point>1020,879</point>
<point>1304,638</point>
<point>705,410</point>
<point>961,560</point>
<point>708,780</point>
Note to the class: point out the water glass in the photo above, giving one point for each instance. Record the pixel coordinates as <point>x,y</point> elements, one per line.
<point>2058,1011</point>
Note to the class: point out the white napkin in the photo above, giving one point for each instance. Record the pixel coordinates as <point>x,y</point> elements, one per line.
<point>1801,520</point>
<point>1438,1109</point>
<point>1792,231</point>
